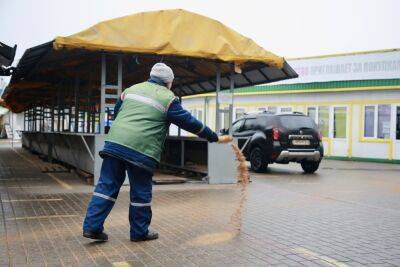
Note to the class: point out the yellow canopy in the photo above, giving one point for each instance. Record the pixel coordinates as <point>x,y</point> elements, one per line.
<point>170,32</point>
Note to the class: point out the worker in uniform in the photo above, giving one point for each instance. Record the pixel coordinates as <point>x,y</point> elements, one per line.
<point>134,145</point>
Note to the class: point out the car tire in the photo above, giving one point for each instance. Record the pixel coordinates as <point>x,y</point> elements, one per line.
<point>258,161</point>
<point>310,166</point>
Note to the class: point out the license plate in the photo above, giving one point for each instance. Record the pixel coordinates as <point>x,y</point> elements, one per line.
<point>301,142</point>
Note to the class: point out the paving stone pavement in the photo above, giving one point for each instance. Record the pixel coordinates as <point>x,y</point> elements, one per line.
<point>346,215</point>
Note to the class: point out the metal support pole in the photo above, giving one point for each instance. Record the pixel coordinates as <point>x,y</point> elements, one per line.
<point>34,119</point>
<point>63,111</point>
<point>102,94</point>
<point>52,114</point>
<point>119,91</point>
<point>93,114</point>
<point>89,114</point>
<point>30,119</point>
<point>76,100</point>
<point>32,127</point>
<point>205,113</point>
<point>59,110</point>
<point>24,120</point>
<point>217,111</point>
<point>179,128</point>
<point>231,88</point>
<point>42,118</point>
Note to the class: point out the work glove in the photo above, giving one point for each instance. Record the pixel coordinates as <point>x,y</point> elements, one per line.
<point>212,137</point>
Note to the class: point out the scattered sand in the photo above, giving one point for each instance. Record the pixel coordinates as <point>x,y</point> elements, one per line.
<point>243,173</point>
<point>211,239</point>
<point>235,223</point>
<point>243,178</point>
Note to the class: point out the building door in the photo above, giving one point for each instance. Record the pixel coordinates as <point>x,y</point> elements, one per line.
<point>339,134</point>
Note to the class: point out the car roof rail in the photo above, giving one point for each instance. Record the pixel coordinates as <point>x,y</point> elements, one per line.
<point>268,111</point>
<point>255,112</point>
<point>298,112</point>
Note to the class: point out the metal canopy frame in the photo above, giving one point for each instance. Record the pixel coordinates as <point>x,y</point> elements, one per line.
<point>79,104</point>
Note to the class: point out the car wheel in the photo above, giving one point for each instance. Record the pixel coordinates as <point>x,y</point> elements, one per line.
<point>310,166</point>
<point>257,160</point>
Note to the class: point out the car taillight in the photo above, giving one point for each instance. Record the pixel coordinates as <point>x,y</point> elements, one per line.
<point>275,134</point>
<point>319,136</point>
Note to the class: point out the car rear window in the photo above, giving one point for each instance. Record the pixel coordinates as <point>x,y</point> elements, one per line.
<point>296,122</point>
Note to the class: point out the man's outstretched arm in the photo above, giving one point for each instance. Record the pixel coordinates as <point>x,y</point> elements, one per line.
<point>182,118</point>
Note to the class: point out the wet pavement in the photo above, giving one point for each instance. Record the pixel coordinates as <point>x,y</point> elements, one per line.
<point>348,214</point>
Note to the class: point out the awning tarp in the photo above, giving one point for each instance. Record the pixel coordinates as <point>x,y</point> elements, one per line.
<point>196,47</point>
<point>187,34</point>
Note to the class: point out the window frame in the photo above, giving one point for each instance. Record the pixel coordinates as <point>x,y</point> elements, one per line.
<point>241,120</point>
<point>332,121</point>
<point>376,111</point>
<point>286,112</point>
<point>375,121</point>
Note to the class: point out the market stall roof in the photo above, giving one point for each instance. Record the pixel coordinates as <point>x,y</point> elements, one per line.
<point>192,44</point>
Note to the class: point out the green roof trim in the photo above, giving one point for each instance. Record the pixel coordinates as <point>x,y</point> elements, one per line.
<point>319,86</point>
<point>355,85</point>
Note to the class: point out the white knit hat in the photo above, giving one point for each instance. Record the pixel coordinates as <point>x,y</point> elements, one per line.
<point>162,72</point>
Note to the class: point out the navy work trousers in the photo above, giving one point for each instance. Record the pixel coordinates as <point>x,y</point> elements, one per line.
<point>106,192</point>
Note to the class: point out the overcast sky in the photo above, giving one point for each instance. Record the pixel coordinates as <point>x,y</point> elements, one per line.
<point>289,28</point>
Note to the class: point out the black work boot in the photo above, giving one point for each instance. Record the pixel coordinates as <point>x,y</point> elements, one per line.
<point>102,237</point>
<point>151,235</point>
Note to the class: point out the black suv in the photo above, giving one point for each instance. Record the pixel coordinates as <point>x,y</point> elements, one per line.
<point>268,138</point>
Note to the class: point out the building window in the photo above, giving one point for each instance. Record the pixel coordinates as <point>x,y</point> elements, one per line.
<point>262,109</point>
<point>272,110</point>
<point>398,123</point>
<point>239,112</point>
<point>312,113</point>
<point>369,121</point>
<point>383,121</point>
<point>286,109</point>
<point>323,120</point>
<point>339,122</point>
<point>377,121</point>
